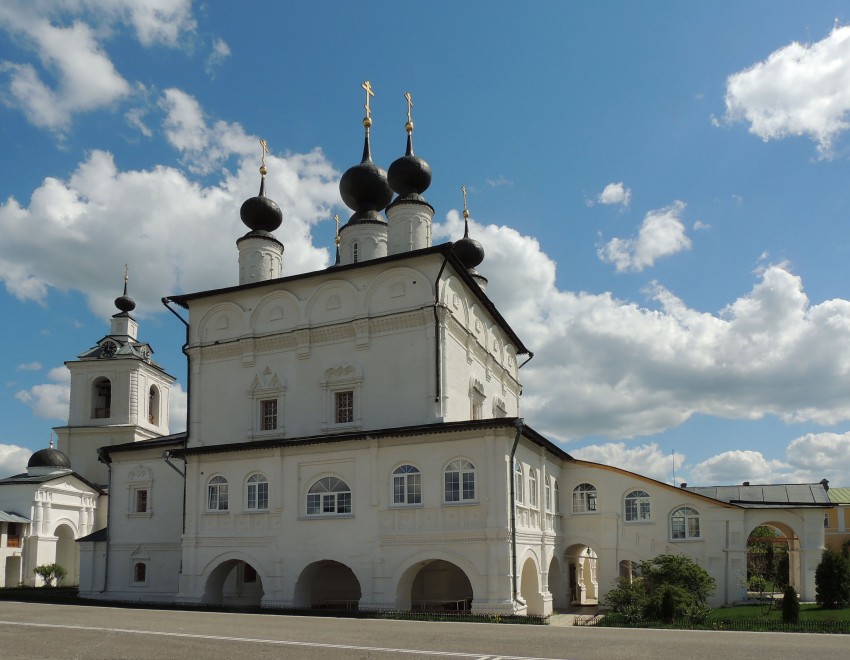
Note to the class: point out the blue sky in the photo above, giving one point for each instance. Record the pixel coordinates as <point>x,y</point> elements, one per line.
<point>661,190</point>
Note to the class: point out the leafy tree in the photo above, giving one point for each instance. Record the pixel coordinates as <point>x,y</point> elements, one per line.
<point>790,606</point>
<point>832,581</point>
<point>669,587</point>
<point>49,573</point>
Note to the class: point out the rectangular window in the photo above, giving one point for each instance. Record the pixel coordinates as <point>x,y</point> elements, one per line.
<point>268,415</point>
<point>468,486</point>
<point>314,502</point>
<point>344,407</point>
<point>140,502</point>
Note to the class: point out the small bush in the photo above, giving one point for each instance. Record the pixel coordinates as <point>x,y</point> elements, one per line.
<point>790,606</point>
<point>49,573</point>
<point>757,583</point>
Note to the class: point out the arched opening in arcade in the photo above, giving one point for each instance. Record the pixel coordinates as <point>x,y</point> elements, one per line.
<point>773,559</point>
<point>67,554</point>
<point>560,600</point>
<point>434,585</point>
<point>529,588</point>
<point>583,566</point>
<point>327,584</point>
<point>234,583</point>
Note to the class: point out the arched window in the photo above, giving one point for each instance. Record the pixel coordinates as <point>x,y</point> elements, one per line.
<point>459,480</point>
<point>518,480</point>
<point>101,399</point>
<point>584,498</point>
<point>548,494</point>
<point>328,496</point>
<point>684,523</point>
<point>637,506</point>
<point>217,494</point>
<point>153,405</point>
<point>140,572</point>
<point>354,252</point>
<point>532,486</point>
<point>258,493</point>
<point>407,485</point>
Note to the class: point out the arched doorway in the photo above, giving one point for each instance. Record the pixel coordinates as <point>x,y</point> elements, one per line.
<point>327,585</point>
<point>234,583</point>
<point>629,570</point>
<point>66,555</point>
<point>530,588</point>
<point>434,585</point>
<point>773,559</point>
<point>584,589</point>
<point>560,600</point>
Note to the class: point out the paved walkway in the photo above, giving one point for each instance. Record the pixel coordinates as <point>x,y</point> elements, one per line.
<point>567,617</point>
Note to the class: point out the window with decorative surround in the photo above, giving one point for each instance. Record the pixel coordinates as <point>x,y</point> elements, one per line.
<point>342,386</point>
<point>267,391</point>
<point>139,485</point>
<point>140,573</point>
<point>519,496</point>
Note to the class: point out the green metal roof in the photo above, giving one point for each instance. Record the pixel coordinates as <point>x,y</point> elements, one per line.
<point>839,495</point>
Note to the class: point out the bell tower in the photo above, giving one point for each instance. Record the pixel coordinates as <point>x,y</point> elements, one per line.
<point>118,394</point>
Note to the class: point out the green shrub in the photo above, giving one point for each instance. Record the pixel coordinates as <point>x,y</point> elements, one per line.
<point>790,606</point>
<point>832,581</point>
<point>757,583</point>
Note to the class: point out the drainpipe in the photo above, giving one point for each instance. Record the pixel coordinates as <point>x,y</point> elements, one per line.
<point>530,356</point>
<point>437,353</point>
<point>520,423</point>
<point>103,457</point>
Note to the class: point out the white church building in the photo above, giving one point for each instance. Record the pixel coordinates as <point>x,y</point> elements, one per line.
<point>354,440</point>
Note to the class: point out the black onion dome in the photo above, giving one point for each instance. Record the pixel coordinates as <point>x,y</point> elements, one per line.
<point>364,188</point>
<point>261,213</point>
<point>469,251</point>
<point>409,175</point>
<point>125,303</point>
<point>49,457</point>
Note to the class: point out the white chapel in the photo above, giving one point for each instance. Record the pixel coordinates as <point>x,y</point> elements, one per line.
<point>354,440</point>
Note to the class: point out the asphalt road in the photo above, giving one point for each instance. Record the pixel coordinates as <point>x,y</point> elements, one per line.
<point>30,630</point>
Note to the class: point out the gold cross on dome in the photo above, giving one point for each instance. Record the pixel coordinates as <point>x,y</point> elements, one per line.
<point>126,274</point>
<point>265,146</point>
<point>409,106</point>
<point>368,87</point>
<point>336,220</point>
<point>465,210</point>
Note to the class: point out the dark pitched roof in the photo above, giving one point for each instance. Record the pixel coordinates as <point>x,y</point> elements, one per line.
<point>444,249</point>
<point>768,495</point>
<point>178,439</point>
<point>420,429</point>
<point>94,537</point>
<point>12,517</point>
<point>25,478</point>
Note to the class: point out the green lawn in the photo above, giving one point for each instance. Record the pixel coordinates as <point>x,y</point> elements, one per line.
<point>808,612</point>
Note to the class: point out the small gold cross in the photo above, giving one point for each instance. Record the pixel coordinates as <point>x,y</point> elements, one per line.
<point>368,87</point>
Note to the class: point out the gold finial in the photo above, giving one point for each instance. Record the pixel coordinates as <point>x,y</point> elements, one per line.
<point>265,147</point>
<point>126,274</point>
<point>336,220</point>
<point>367,120</point>
<point>409,125</point>
<point>465,210</point>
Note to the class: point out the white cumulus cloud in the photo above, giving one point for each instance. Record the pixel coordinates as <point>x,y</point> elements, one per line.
<point>648,460</point>
<point>13,459</point>
<point>50,400</point>
<point>220,52</point>
<point>800,89</point>
<point>661,234</point>
<point>615,193</point>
